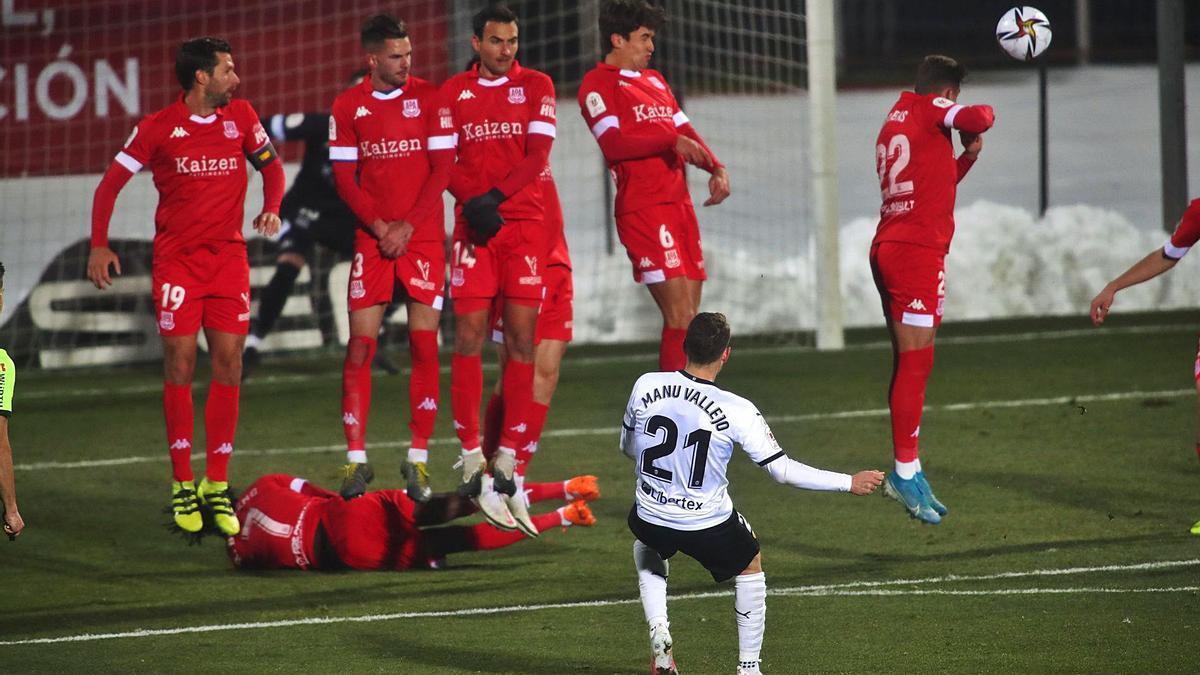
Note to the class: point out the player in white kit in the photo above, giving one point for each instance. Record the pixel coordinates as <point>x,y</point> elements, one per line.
<point>680,429</point>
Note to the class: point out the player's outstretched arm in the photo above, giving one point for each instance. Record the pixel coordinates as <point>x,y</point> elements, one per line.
<point>13,524</point>
<point>1154,264</point>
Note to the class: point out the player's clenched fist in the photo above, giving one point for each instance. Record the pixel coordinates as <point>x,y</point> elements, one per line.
<point>267,224</point>
<point>1100,305</point>
<point>97,268</point>
<point>718,187</point>
<point>865,482</point>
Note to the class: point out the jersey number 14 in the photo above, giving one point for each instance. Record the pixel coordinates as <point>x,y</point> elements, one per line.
<point>699,439</point>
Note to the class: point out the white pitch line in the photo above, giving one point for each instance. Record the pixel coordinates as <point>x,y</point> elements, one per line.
<point>603,431</point>
<point>846,589</point>
<point>265,380</point>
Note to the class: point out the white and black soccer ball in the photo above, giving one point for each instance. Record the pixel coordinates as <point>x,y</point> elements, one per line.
<point>1023,32</point>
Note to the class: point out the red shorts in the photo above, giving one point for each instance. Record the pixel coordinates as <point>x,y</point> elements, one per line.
<point>912,282</point>
<point>208,285</point>
<point>421,270</point>
<point>556,315</point>
<point>509,268</point>
<point>662,242</point>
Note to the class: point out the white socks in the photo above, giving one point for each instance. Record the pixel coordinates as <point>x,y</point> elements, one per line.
<point>907,470</point>
<point>750,603</point>
<point>652,582</point>
<point>418,455</point>
<point>356,456</point>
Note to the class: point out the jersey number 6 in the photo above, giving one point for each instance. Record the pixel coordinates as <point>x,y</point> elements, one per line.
<point>698,438</point>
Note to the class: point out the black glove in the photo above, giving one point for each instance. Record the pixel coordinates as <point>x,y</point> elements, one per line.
<point>483,216</point>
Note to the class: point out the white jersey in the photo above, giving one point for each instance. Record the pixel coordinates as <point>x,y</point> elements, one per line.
<point>680,431</point>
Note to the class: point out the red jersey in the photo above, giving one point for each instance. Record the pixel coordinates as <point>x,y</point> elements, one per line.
<point>280,515</point>
<point>199,170</point>
<point>559,255</point>
<point>389,135</point>
<point>918,173</point>
<point>491,119</point>
<point>1186,234</point>
<point>638,103</point>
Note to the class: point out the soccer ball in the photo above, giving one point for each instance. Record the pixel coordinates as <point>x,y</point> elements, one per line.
<point>1023,32</point>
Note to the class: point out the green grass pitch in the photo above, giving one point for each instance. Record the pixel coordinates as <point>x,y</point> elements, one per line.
<point>1064,453</point>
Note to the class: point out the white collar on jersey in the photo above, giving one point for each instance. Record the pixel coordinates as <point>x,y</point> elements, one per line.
<point>631,73</point>
<point>493,83</point>
<point>203,120</point>
<point>387,95</point>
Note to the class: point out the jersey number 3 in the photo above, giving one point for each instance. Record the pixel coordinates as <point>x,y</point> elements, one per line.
<point>698,438</point>
<point>890,161</point>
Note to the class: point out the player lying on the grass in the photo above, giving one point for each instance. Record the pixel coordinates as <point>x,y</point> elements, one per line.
<point>680,429</point>
<point>918,175</point>
<point>1186,234</point>
<point>289,522</point>
<point>8,486</point>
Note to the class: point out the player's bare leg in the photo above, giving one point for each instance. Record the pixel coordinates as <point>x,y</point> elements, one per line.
<point>520,324</point>
<point>466,390</point>
<point>677,301</point>
<point>912,353</point>
<point>274,296</point>
<point>423,321</point>
<point>750,610</point>
<point>220,423</point>
<point>652,571</point>
<point>356,397</point>
<point>179,367</point>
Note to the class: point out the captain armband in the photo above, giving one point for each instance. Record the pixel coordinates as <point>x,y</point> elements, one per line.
<point>262,157</point>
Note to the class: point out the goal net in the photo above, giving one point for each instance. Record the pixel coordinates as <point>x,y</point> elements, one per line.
<point>76,75</point>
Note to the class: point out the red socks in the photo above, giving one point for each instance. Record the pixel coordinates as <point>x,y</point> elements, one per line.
<point>220,423</point>
<point>356,390</point>
<point>493,419</point>
<point>180,416</point>
<point>487,537</point>
<point>540,492</point>
<point>423,385</point>
<point>906,400</point>
<point>670,350</point>
<point>535,419</point>
<point>466,390</point>
<point>517,389</point>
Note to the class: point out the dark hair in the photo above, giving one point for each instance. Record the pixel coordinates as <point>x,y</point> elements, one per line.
<point>198,54</point>
<point>379,28</point>
<point>937,72</point>
<point>707,337</point>
<point>623,17</point>
<point>496,11</point>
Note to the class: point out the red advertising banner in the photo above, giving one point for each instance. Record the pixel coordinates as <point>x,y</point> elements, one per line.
<point>76,75</point>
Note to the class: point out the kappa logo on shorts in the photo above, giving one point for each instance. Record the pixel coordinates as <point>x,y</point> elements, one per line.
<point>357,290</point>
<point>516,95</point>
<point>673,259</point>
<point>231,130</point>
<point>412,107</point>
<point>166,321</point>
<point>917,305</point>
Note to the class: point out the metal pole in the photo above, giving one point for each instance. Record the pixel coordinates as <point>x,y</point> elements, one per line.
<point>1083,31</point>
<point>822,97</point>
<point>1171,111</point>
<point>1043,143</point>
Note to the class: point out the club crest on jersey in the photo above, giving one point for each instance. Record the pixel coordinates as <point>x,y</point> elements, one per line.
<point>166,321</point>
<point>412,107</point>
<point>231,130</point>
<point>657,82</point>
<point>516,95</point>
<point>595,103</point>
